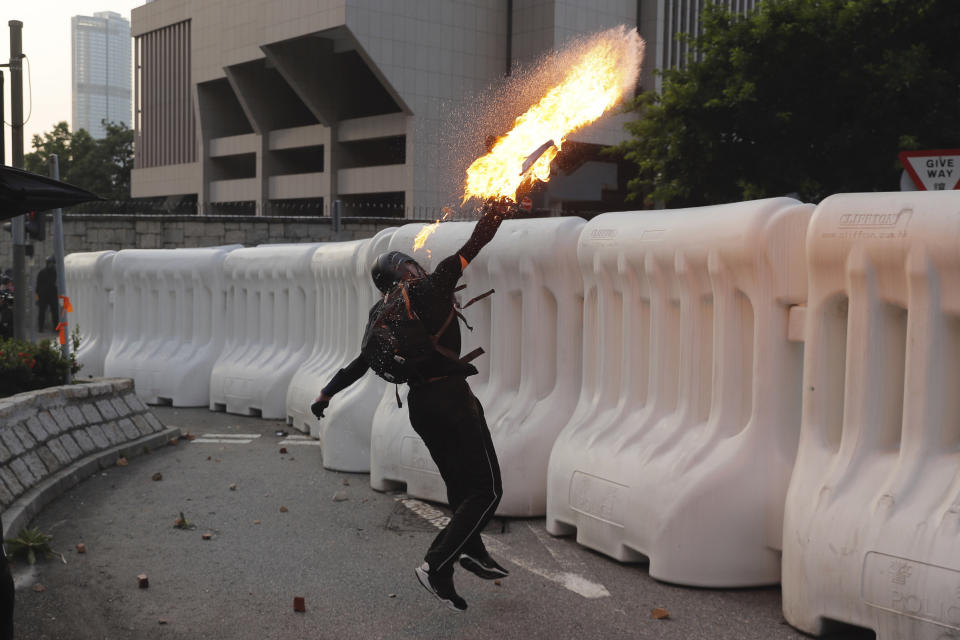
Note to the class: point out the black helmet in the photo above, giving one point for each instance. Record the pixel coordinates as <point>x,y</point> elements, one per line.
<point>389,267</point>
<point>51,259</point>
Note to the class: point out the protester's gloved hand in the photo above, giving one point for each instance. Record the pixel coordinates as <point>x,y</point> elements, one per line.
<point>318,407</point>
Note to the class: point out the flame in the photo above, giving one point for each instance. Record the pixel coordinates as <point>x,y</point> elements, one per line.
<point>600,77</point>
<point>428,230</point>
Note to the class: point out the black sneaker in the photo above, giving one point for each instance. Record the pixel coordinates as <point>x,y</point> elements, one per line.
<point>441,587</point>
<point>483,566</point>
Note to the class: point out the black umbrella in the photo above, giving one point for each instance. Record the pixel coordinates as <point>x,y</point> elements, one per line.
<point>22,191</point>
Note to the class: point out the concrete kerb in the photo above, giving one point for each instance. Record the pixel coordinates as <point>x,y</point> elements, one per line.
<point>52,439</point>
<point>27,506</point>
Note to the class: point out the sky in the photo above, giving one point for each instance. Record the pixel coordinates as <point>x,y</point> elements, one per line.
<point>46,42</point>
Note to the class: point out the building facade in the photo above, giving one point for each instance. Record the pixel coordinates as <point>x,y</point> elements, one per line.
<point>272,107</point>
<point>101,71</point>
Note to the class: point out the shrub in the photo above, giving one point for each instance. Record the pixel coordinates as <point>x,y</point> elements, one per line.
<point>25,366</point>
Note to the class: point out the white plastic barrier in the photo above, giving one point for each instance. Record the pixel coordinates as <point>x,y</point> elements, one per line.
<point>270,324</point>
<point>345,295</point>
<point>872,522</point>
<point>168,322</point>
<point>89,279</point>
<point>529,378</point>
<point>682,441</point>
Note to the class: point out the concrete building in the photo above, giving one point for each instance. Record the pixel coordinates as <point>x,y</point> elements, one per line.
<point>100,48</point>
<point>280,107</point>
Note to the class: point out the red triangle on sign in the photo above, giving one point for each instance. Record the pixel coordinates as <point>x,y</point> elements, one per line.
<point>934,170</point>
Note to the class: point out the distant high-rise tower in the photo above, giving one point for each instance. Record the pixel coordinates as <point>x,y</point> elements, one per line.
<point>100,55</point>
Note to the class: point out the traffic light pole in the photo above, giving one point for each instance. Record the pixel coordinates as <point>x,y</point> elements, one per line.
<point>16,153</point>
<point>61,271</point>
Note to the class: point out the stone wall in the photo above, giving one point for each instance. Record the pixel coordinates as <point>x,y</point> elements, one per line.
<point>97,232</point>
<point>94,232</point>
<point>53,438</point>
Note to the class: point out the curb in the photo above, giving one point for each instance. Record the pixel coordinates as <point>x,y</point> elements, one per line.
<point>27,506</point>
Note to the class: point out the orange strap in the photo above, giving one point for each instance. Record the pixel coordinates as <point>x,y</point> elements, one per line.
<point>61,328</point>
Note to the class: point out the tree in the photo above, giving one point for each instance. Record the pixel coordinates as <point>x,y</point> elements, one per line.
<point>810,97</point>
<point>98,165</point>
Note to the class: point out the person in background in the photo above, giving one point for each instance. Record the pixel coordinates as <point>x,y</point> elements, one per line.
<point>47,295</point>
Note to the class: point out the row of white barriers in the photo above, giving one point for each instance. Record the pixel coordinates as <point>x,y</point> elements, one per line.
<point>740,394</point>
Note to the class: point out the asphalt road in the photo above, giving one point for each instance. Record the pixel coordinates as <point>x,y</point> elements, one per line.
<point>282,527</point>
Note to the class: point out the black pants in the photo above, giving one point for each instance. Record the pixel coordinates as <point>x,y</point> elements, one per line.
<point>42,305</point>
<point>449,419</point>
<point>6,596</point>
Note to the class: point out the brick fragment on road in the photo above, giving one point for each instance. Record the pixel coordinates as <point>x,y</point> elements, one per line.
<point>299,604</point>
<point>122,462</point>
<point>142,581</point>
<point>207,536</point>
<point>81,548</point>
<point>659,614</point>
<point>283,509</point>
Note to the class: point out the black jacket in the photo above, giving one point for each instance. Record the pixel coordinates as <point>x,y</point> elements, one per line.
<point>432,299</point>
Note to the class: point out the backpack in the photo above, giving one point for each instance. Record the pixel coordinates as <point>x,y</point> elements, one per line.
<point>396,343</point>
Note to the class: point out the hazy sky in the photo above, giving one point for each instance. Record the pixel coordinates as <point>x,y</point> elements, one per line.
<point>46,42</point>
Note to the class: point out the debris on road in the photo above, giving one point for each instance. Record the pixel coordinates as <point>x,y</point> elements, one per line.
<point>283,509</point>
<point>157,477</point>
<point>39,588</point>
<point>207,536</point>
<point>280,434</point>
<point>659,614</point>
<point>233,487</point>
<point>299,604</point>
<point>81,548</point>
<point>283,449</point>
<point>122,462</point>
<point>182,522</point>
<point>340,496</point>
<point>256,522</point>
<point>346,482</point>
<point>142,581</point>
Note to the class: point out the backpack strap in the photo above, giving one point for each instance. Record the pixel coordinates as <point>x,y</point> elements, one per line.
<point>477,298</point>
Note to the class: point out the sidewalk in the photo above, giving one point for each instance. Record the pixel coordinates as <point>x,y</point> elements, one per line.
<point>282,527</point>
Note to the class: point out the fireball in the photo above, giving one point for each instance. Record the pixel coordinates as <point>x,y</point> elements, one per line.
<point>604,71</point>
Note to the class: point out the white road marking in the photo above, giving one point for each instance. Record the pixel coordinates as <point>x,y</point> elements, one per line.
<point>248,436</point>
<point>309,443</point>
<point>567,579</point>
<point>220,441</point>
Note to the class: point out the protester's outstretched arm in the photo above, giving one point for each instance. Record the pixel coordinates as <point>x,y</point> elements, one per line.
<point>450,269</point>
<point>343,379</point>
<point>494,213</point>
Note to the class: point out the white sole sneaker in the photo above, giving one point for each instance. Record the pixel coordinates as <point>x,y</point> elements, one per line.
<point>423,575</point>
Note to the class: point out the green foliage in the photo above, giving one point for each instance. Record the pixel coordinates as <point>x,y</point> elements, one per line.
<point>98,165</point>
<point>25,366</point>
<point>810,97</point>
<point>29,543</point>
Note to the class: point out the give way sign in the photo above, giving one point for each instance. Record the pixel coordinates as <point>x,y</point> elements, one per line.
<point>936,170</point>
